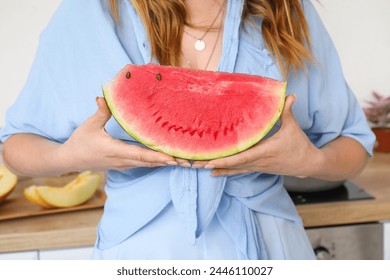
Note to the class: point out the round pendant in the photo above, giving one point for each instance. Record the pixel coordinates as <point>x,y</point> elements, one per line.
<point>200,45</point>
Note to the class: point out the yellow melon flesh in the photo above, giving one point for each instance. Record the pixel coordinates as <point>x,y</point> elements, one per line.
<point>32,195</point>
<point>8,182</point>
<point>76,192</point>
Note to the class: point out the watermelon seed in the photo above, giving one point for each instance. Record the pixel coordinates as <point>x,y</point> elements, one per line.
<point>128,75</point>
<point>158,76</point>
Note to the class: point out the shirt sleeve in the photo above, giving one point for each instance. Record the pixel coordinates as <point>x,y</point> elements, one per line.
<point>326,108</point>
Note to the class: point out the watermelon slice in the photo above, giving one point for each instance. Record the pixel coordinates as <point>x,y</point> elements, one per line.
<point>194,114</point>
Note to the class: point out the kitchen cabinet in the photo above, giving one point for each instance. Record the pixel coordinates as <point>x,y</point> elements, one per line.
<point>82,253</point>
<point>28,255</point>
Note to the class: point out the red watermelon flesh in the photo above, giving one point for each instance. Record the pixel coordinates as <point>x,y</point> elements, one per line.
<point>194,114</point>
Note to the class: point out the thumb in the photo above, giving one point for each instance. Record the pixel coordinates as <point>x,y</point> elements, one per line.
<point>102,114</point>
<point>287,113</point>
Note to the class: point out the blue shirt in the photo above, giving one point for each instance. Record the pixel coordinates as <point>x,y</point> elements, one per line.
<point>81,49</point>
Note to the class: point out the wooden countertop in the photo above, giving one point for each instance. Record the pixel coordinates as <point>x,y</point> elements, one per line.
<point>74,229</point>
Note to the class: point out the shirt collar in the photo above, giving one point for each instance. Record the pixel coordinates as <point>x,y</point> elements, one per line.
<point>231,35</point>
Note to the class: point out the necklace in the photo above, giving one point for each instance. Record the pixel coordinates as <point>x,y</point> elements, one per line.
<point>211,54</point>
<point>200,44</point>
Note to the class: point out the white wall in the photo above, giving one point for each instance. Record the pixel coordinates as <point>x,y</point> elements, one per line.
<point>360,29</point>
<point>21,21</point>
<point>361,32</point>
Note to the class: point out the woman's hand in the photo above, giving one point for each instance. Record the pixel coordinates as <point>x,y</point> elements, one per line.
<point>287,152</point>
<point>290,152</point>
<point>89,147</point>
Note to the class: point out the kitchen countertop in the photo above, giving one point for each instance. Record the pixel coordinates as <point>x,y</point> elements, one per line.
<point>77,229</point>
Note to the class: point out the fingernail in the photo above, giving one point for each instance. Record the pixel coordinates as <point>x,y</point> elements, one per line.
<point>171,162</point>
<point>185,164</point>
<point>209,166</point>
<point>197,165</point>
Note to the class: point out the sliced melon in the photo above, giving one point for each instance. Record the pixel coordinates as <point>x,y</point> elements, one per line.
<point>8,182</point>
<point>32,195</point>
<point>76,192</point>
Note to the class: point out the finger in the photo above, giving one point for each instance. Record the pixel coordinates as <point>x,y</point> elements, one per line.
<point>199,164</point>
<point>227,172</point>
<point>102,114</point>
<point>183,162</point>
<point>124,164</point>
<point>240,160</point>
<point>136,153</point>
<point>287,113</point>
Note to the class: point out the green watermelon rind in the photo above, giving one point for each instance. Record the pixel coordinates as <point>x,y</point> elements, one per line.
<point>185,155</point>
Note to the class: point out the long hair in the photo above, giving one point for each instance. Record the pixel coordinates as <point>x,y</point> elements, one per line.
<point>284,29</point>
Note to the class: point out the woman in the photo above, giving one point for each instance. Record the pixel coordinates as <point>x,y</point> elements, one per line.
<point>160,207</point>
